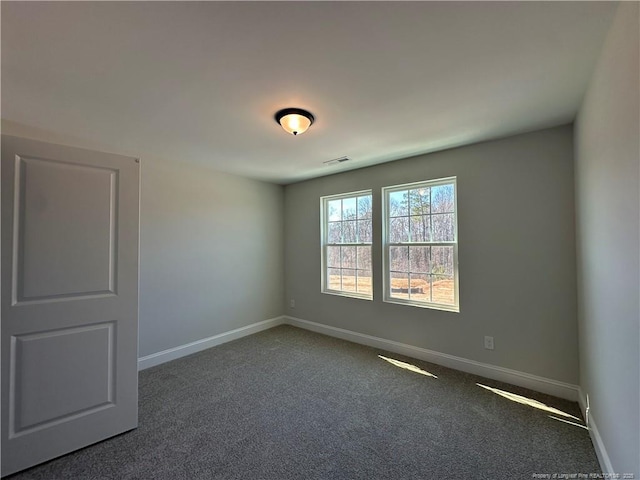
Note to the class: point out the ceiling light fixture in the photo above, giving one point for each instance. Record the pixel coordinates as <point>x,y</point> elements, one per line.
<point>294,120</point>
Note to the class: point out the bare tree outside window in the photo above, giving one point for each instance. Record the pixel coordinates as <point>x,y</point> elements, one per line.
<point>347,237</point>
<point>421,244</point>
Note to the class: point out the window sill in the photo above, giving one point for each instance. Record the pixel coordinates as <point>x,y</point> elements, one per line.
<point>338,293</point>
<point>431,306</point>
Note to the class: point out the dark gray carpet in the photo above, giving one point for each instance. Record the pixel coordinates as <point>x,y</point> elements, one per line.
<point>290,404</point>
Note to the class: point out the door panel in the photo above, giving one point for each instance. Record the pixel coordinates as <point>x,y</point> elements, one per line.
<point>44,382</point>
<point>69,299</point>
<point>59,196</point>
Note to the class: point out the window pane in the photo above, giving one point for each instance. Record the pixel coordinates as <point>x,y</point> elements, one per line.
<point>398,203</point>
<point>364,231</point>
<point>333,278</point>
<point>333,257</point>
<point>399,230</point>
<point>349,280</point>
<point>419,201</point>
<point>349,232</point>
<point>442,260</point>
<point>420,228</point>
<point>364,206</point>
<point>334,232</point>
<point>443,227</point>
<point>347,221</point>
<point>419,217</point>
<point>349,208</point>
<point>364,282</point>
<point>419,260</point>
<point>419,287</point>
<point>348,257</point>
<point>442,199</point>
<point>364,258</point>
<point>335,209</point>
<point>399,259</point>
<point>443,289</point>
<point>399,285</point>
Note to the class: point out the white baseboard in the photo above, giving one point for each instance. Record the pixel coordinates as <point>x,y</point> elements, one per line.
<point>596,439</point>
<point>199,345</point>
<point>514,377</point>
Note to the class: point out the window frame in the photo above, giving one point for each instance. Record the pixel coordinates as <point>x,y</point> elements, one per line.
<point>386,244</point>
<point>324,222</point>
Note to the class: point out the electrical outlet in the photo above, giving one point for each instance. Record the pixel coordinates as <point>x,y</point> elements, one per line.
<point>292,303</point>
<point>488,343</point>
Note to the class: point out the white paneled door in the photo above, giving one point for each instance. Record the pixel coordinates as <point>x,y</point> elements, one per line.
<point>69,299</point>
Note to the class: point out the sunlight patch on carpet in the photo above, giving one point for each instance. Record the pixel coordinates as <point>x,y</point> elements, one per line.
<point>527,401</point>
<point>407,366</point>
<point>570,423</point>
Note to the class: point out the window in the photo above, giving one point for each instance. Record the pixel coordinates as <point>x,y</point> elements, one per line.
<point>346,244</point>
<point>421,244</point>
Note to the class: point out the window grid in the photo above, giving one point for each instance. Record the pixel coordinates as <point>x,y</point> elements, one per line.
<point>349,228</point>
<point>415,271</point>
<point>341,267</point>
<point>441,270</point>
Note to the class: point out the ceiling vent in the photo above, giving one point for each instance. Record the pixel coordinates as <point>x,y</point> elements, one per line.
<point>336,160</point>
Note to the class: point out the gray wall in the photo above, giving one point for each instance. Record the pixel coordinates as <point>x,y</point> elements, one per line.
<point>607,203</point>
<point>211,248</point>
<point>516,255</point>
<point>211,254</point>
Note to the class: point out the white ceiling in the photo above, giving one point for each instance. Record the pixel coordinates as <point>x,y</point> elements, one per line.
<point>199,82</point>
